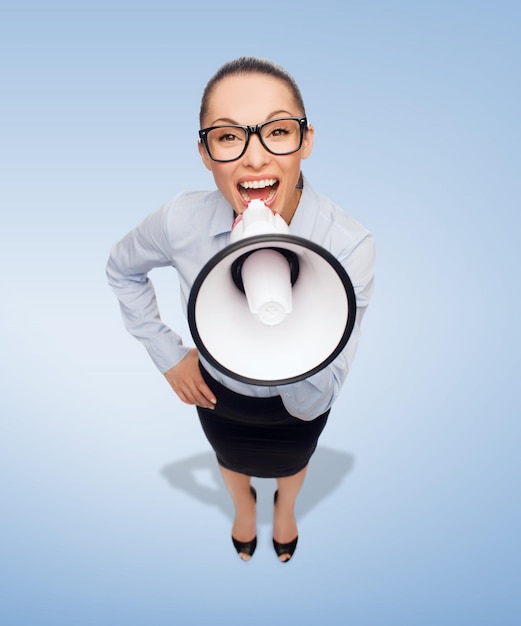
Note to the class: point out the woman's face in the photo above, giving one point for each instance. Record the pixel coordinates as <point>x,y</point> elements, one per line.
<point>248,100</point>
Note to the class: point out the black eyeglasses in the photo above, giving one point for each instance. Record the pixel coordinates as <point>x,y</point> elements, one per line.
<point>281,136</point>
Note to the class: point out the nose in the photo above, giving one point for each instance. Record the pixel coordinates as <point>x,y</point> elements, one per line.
<point>256,154</point>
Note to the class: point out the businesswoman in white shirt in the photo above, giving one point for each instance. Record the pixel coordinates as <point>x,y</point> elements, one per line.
<point>259,431</point>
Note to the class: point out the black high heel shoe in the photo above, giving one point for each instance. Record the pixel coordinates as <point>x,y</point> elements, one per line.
<point>246,547</point>
<point>284,548</point>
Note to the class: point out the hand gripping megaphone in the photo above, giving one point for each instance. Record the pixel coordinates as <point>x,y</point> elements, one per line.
<point>271,308</point>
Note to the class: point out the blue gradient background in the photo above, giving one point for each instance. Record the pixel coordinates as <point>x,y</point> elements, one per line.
<point>112,508</point>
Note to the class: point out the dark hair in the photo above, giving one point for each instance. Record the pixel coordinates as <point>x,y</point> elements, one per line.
<point>250,65</point>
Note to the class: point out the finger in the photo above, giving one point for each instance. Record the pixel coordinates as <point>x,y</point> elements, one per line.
<point>200,394</point>
<point>193,390</point>
<point>199,398</point>
<point>207,394</point>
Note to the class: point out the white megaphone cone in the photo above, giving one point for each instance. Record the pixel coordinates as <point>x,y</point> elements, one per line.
<point>270,308</point>
<point>266,274</point>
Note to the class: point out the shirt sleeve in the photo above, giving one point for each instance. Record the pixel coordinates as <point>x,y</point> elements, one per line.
<point>309,398</point>
<point>144,248</point>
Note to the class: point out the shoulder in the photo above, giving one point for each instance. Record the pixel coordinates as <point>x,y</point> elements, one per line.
<point>193,214</point>
<point>328,223</point>
<point>189,203</point>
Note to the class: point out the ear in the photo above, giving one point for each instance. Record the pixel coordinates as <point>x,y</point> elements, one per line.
<point>204,155</point>
<point>307,143</point>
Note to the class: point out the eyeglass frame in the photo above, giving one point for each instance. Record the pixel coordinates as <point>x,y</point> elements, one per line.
<point>254,130</point>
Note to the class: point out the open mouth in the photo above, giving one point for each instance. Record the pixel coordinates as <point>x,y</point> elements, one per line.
<point>258,189</point>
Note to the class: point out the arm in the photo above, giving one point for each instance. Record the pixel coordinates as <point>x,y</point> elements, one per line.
<point>313,396</point>
<point>130,261</point>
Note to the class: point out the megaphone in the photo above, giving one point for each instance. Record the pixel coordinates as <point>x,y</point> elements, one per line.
<point>271,308</point>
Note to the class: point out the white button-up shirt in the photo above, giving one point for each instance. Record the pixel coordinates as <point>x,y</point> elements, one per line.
<point>186,233</point>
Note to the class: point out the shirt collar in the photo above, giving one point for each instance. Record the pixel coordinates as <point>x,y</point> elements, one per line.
<point>222,215</point>
<point>301,224</point>
<point>306,213</point>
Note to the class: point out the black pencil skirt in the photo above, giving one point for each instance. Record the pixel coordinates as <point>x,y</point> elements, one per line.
<point>257,436</point>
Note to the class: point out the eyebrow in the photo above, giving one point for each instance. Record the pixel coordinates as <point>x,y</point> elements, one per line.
<point>228,120</point>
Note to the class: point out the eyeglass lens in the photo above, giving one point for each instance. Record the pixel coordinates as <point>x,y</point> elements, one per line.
<point>226,143</point>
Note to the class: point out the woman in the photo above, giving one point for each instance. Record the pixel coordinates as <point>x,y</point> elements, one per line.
<point>255,430</point>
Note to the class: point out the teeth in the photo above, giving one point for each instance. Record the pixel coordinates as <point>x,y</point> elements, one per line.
<point>258,184</point>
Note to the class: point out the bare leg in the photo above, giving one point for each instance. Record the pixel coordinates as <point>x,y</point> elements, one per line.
<point>244,525</point>
<point>284,523</point>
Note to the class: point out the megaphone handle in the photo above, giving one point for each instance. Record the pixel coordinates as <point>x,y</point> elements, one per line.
<point>291,258</point>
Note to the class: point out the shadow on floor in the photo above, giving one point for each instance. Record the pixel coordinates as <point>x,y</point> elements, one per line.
<point>327,470</point>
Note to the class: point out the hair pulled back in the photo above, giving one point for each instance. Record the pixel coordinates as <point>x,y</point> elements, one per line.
<point>250,65</point>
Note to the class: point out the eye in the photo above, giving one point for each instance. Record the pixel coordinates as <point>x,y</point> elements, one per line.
<point>279,131</point>
<point>228,135</point>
